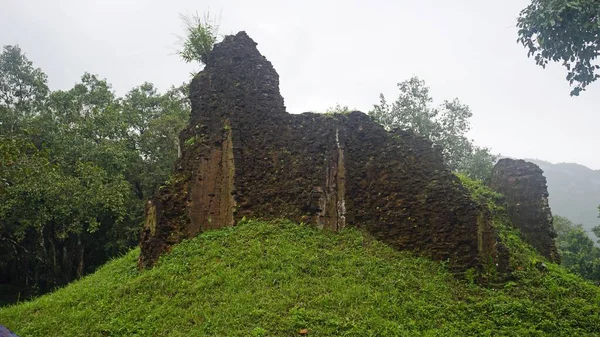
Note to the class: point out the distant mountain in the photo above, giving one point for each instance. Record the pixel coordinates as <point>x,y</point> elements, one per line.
<point>574,191</point>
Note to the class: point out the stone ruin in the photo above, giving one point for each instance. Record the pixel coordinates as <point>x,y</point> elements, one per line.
<point>526,194</point>
<point>243,155</point>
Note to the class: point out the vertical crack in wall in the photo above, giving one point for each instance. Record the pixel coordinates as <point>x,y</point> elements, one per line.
<point>151,218</point>
<point>212,202</point>
<point>341,184</point>
<point>228,208</point>
<point>332,203</point>
<point>328,217</point>
<point>488,241</point>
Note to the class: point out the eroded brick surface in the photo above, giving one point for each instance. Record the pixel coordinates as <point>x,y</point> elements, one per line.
<point>243,155</point>
<point>524,187</point>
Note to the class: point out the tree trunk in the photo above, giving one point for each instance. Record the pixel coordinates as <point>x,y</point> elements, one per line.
<point>81,252</point>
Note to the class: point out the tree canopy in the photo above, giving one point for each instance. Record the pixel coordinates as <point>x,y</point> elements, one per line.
<point>446,126</point>
<point>565,31</point>
<point>23,88</point>
<point>76,167</point>
<point>576,249</point>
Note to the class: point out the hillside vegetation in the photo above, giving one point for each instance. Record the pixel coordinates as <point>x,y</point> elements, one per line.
<point>277,278</point>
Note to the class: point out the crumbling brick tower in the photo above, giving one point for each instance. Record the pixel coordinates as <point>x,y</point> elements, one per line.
<point>243,155</point>
<point>524,187</point>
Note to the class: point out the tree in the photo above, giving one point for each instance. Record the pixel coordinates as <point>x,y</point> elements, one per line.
<point>76,169</point>
<point>155,121</point>
<point>479,164</point>
<point>565,31</point>
<point>65,205</point>
<point>201,35</point>
<point>446,126</point>
<point>576,249</point>
<point>411,110</point>
<point>23,89</point>
<point>53,223</point>
<point>596,230</point>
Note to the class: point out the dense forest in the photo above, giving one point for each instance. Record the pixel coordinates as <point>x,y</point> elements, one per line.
<point>76,167</point>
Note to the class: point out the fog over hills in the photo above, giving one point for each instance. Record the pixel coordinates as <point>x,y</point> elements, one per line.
<point>574,191</point>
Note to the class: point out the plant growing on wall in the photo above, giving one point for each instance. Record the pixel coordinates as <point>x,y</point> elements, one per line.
<point>201,36</point>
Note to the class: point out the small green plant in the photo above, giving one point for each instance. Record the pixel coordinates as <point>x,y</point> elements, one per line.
<point>259,332</point>
<point>201,36</point>
<point>190,141</point>
<point>471,275</point>
<point>338,109</point>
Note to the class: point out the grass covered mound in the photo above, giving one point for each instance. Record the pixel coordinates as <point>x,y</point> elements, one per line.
<point>276,278</point>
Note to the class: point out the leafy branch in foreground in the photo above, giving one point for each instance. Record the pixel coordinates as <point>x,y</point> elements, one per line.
<point>566,31</point>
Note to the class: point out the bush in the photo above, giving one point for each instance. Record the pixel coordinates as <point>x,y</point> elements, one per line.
<point>201,36</point>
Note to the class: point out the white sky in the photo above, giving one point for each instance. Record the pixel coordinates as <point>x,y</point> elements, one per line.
<point>332,51</point>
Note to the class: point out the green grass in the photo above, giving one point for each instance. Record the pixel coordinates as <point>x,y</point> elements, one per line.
<point>275,278</point>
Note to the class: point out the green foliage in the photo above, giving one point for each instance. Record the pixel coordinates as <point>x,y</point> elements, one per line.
<point>446,126</point>
<point>412,111</point>
<point>154,121</point>
<point>290,277</point>
<point>190,141</point>
<point>596,229</point>
<point>479,164</point>
<point>338,109</point>
<point>76,168</point>
<point>523,257</point>
<point>23,89</point>
<point>52,222</point>
<point>201,36</point>
<point>577,251</point>
<point>485,196</point>
<point>565,31</point>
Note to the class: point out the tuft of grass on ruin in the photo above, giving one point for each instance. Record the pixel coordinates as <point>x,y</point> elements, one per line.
<point>276,278</point>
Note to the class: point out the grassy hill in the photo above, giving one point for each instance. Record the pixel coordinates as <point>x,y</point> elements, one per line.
<point>276,278</point>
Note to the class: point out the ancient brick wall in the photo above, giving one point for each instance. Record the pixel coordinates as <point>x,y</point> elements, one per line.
<point>401,192</point>
<point>243,155</point>
<point>524,187</point>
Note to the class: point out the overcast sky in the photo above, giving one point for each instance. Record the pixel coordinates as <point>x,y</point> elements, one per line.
<point>329,52</point>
